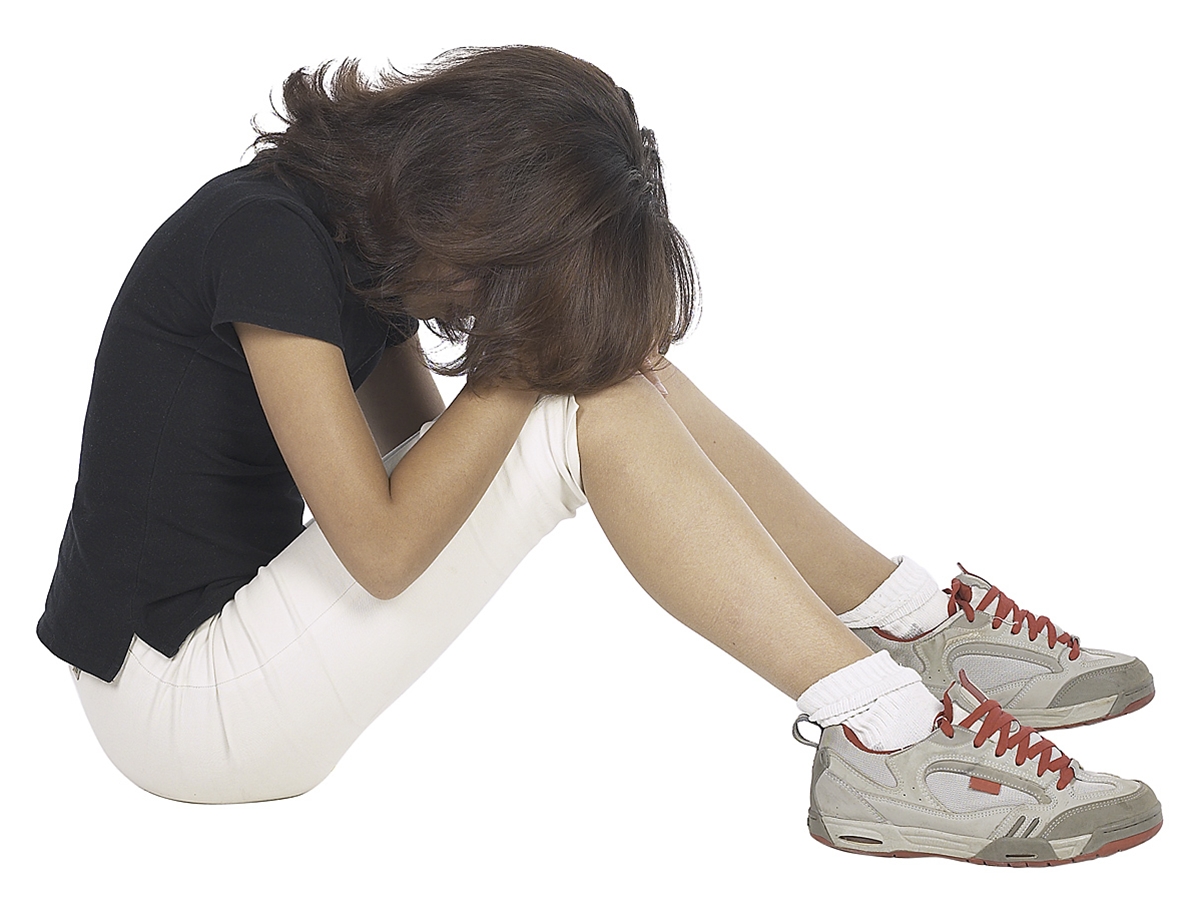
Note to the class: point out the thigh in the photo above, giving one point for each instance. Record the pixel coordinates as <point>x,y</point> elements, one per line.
<point>265,697</point>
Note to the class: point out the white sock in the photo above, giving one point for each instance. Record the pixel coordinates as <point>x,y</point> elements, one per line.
<point>885,704</point>
<point>906,605</point>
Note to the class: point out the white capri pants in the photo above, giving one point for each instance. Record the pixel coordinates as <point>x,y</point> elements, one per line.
<point>262,700</point>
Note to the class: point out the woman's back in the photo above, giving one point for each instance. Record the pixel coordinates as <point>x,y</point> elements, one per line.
<point>182,492</point>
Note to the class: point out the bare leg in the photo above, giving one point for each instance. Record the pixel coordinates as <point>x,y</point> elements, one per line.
<point>840,567</point>
<point>695,546</point>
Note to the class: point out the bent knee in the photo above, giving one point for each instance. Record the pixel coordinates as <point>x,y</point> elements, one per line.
<point>635,390</point>
<point>610,417</point>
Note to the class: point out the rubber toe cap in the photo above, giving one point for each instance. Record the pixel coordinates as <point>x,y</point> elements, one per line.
<point>1127,681</point>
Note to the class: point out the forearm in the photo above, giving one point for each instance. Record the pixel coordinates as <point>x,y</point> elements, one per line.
<point>437,485</point>
<point>386,531</point>
<point>399,396</point>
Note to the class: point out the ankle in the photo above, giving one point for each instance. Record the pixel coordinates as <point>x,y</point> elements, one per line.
<point>906,605</point>
<point>885,704</point>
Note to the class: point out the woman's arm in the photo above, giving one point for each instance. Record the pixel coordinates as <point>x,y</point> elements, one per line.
<point>399,396</point>
<point>386,532</point>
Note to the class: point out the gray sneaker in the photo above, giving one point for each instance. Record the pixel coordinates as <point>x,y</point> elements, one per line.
<point>985,790</point>
<point>1040,675</point>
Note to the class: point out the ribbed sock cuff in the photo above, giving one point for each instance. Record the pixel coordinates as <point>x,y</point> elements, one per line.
<point>884,703</point>
<point>852,689</point>
<point>908,603</point>
<point>898,719</point>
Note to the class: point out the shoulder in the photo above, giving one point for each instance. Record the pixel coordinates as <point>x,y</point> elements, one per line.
<point>248,206</point>
<point>247,183</point>
<point>267,260</point>
<point>249,219</point>
<point>240,214</point>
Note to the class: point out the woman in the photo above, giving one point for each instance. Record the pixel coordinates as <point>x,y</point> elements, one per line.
<point>261,354</point>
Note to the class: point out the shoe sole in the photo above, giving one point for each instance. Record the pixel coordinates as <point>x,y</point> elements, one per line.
<point>1081,714</point>
<point>867,834</point>
<point>1076,716</point>
<point>1135,705</point>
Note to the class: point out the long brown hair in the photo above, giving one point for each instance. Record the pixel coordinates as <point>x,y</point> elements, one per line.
<point>506,195</point>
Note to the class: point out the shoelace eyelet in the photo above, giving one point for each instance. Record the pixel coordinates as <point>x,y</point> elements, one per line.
<point>995,721</point>
<point>960,600</point>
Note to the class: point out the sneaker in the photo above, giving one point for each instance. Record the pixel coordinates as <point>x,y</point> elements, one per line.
<point>1040,675</point>
<point>985,790</point>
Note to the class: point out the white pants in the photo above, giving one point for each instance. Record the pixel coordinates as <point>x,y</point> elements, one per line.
<point>262,700</point>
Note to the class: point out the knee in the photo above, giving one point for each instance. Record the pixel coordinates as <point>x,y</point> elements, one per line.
<point>608,418</point>
<point>634,392</point>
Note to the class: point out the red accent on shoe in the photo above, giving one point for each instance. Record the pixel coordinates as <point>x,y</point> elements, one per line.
<point>980,696</point>
<point>960,598</point>
<point>945,719</point>
<point>895,639</point>
<point>982,784</point>
<point>1132,707</point>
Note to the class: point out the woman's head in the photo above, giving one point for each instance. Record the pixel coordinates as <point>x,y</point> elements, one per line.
<point>507,196</point>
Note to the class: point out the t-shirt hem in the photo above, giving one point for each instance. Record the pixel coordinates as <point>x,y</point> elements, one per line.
<point>105,665</point>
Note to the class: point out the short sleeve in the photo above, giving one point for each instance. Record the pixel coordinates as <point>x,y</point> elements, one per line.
<point>269,265</point>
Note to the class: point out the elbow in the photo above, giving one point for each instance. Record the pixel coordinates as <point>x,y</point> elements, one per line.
<point>382,557</point>
<point>382,590</point>
<point>383,576</point>
<point>384,585</point>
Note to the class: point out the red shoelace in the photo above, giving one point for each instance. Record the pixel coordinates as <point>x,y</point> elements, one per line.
<point>997,722</point>
<point>960,598</point>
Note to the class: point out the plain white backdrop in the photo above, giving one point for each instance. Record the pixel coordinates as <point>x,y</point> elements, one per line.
<point>949,260</point>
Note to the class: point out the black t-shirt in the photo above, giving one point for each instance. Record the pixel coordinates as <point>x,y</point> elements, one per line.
<point>182,492</point>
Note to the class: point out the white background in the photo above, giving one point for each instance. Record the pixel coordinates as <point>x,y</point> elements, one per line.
<point>949,254</point>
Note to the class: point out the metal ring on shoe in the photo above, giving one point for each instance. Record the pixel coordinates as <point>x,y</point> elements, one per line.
<point>799,737</point>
